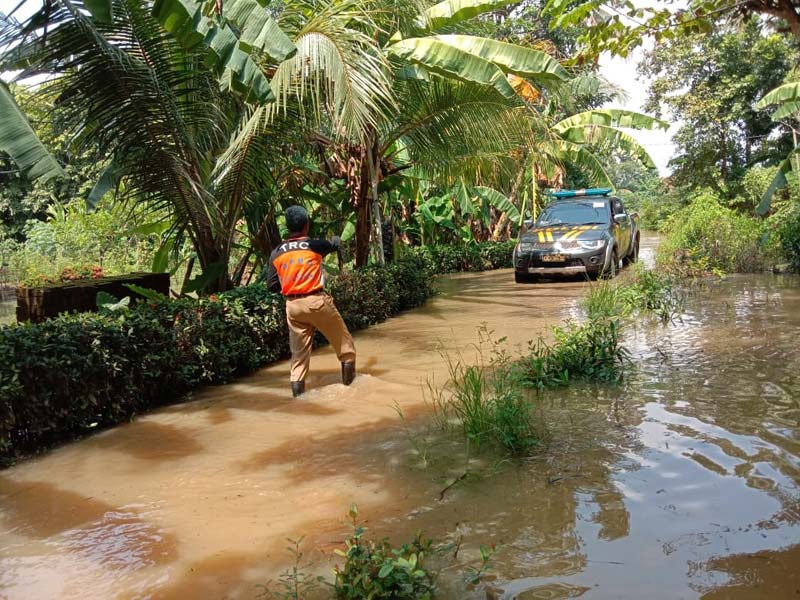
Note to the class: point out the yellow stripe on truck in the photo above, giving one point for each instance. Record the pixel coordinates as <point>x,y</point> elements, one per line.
<point>549,235</point>
<point>541,236</point>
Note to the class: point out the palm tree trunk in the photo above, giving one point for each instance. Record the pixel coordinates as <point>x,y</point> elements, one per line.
<point>360,196</point>
<point>373,161</point>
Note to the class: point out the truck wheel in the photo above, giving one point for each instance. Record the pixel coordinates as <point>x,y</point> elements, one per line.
<point>611,270</point>
<point>633,255</point>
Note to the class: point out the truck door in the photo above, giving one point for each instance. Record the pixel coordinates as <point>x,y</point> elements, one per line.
<point>622,226</point>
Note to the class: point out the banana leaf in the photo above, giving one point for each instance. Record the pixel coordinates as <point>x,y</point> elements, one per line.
<point>451,62</point>
<point>511,58</point>
<point>611,117</point>
<point>451,12</point>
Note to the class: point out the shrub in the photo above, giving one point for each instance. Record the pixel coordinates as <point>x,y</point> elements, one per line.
<point>707,236</point>
<point>377,570</point>
<point>788,229</point>
<point>70,375</point>
<point>73,236</point>
<point>476,257</point>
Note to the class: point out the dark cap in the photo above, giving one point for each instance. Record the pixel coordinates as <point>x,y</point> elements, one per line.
<point>296,218</point>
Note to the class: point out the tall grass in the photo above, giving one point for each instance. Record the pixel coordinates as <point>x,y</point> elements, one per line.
<point>487,399</point>
<point>641,291</point>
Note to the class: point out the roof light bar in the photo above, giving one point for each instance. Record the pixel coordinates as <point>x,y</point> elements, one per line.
<point>586,192</point>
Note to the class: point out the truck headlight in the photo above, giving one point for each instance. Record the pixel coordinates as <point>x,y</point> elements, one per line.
<point>592,244</point>
<point>524,247</point>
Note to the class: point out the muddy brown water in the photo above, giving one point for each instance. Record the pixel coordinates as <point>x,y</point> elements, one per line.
<point>681,483</point>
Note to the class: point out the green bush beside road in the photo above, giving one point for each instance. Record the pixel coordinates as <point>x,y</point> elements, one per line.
<point>708,236</point>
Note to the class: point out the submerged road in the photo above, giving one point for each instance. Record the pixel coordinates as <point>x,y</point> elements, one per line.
<point>654,489</point>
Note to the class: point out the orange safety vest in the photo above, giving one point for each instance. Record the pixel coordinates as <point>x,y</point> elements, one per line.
<point>296,266</point>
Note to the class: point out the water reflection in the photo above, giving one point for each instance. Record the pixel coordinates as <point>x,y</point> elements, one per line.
<point>708,482</point>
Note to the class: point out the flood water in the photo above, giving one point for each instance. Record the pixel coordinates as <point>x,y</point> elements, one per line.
<point>682,483</point>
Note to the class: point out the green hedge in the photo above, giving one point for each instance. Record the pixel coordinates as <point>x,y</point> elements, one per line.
<point>71,375</point>
<point>479,257</point>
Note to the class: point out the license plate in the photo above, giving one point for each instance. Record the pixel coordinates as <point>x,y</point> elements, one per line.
<point>553,258</point>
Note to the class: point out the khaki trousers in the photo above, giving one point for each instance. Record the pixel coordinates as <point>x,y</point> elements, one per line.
<point>306,315</point>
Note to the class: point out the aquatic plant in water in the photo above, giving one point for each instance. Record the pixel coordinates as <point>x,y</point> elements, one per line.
<point>487,398</point>
<point>294,583</point>
<point>377,570</point>
<point>643,291</point>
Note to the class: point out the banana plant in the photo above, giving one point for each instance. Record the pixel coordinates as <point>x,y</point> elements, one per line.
<point>232,32</point>
<point>786,99</point>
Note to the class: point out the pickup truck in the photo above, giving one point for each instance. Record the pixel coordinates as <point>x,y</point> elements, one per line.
<point>580,232</point>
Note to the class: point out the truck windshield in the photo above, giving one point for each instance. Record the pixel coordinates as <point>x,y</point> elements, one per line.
<point>574,213</point>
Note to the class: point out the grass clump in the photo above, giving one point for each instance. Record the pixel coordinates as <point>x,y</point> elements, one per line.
<point>488,399</point>
<point>591,352</point>
<point>644,291</point>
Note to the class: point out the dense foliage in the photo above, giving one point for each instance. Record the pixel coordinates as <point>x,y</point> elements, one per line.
<point>362,112</point>
<point>475,257</point>
<point>708,236</point>
<point>71,239</point>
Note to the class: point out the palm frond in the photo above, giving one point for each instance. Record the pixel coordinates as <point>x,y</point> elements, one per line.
<point>338,69</point>
<point>19,140</point>
<point>452,129</point>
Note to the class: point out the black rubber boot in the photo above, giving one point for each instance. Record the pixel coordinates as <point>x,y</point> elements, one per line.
<point>348,372</point>
<point>298,387</point>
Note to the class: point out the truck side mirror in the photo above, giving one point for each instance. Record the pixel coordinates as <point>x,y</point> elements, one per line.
<point>620,217</point>
<point>527,223</point>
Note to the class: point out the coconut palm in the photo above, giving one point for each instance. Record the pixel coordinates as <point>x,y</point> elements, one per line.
<point>447,107</point>
<point>124,85</point>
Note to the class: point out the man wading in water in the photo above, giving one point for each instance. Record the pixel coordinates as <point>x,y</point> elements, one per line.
<point>295,270</point>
